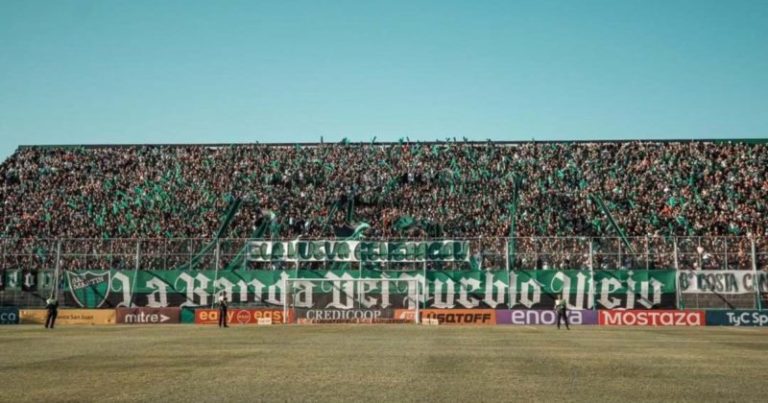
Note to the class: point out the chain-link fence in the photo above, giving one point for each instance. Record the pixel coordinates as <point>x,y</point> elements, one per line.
<point>714,272</point>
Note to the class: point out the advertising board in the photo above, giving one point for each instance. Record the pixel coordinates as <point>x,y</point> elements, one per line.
<point>737,318</point>
<point>651,318</point>
<point>148,316</point>
<point>9,315</point>
<point>70,316</point>
<point>544,317</point>
<point>241,316</point>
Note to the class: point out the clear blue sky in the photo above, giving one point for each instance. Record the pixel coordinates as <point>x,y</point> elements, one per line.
<point>243,71</point>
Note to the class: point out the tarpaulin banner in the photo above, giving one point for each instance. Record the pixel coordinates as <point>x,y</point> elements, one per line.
<point>29,280</point>
<point>358,251</point>
<point>737,318</point>
<point>9,315</point>
<point>544,317</point>
<point>581,289</point>
<point>651,318</point>
<point>453,316</point>
<point>148,316</point>
<point>241,316</point>
<point>70,316</point>
<point>722,282</point>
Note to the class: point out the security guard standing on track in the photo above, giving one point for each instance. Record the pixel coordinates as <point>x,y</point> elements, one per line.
<point>52,305</point>
<point>223,310</point>
<point>561,309</point>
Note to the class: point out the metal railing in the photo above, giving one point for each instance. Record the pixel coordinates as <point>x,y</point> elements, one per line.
<point>46,262</point>
<point>486,253</point>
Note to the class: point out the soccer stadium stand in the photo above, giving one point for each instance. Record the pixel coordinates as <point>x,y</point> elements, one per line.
<point>449,189</point>
<point>675,205</point>
<point>403,190</point>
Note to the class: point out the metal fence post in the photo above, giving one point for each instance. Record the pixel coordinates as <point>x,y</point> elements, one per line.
<point>190,248</point>
<point>506,252</point>
<point>359,269</point>
<point>647,254</point>
<point>285,302</point>
<point>3,264</point>
<point>57,272</point>
<point>592,287</point>
<point>679,294</point>
<point>426,287</point>
<point>137,257</point>
<point>111,257</point>
<point>217,251</point>
<point>677,258</point>
<point>136,268</point>
<point>699,249</point>
<point>509,270</point>
<point>216,277</point>
<point>418,301</point>
<point>756,281</point>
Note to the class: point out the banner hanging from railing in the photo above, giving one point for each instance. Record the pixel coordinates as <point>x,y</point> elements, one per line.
<point>358,251</point>
<point>722,282</point>
<point>446,290</point>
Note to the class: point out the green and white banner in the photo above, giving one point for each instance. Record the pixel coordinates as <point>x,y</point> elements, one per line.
<point>722,282</point>
<point>358,251</point>
<point>445,290</point>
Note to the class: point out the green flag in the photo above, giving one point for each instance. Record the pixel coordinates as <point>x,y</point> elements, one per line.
<point>359,230</point>
<point>403,223</point>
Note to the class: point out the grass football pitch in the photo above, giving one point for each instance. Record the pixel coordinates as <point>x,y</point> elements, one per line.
<point>381,363</point>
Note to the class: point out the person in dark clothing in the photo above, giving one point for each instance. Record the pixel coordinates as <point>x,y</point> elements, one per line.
<point>52,305</point>
<point>561,309</point>
<point>223,310</point>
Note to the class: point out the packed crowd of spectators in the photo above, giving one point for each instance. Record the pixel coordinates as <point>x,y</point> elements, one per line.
<point>441,189</point>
